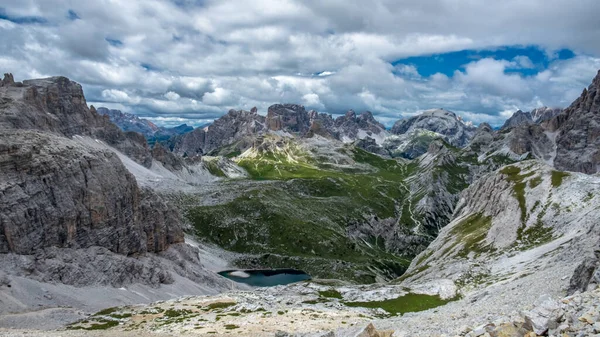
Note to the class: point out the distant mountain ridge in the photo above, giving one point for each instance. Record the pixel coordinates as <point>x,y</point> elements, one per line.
<point>131,122</point>
<point>536,116</point>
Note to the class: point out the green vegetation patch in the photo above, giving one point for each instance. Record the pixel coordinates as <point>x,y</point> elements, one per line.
<point>213,168</point>
<point>107,311</point>
<point>172,313</point>
<point>330,293</point>
<point>514,176</point>
<point>471,232</point>
<point>101,324</point>
<point>220,305</point>
<point>557,178</point>
<point>307,218</point>
<point>536,235</point>
<point>404,304</point>
<point>231,326</point>
<point>533,183</point>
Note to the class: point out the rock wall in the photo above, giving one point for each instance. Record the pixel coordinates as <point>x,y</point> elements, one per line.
<point>578,132</point>
<point>57,193</point>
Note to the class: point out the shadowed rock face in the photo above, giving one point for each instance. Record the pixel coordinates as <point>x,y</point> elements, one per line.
<point>578,132</point>
<point>518,118</point>
<point>288,117</point>
<point>57,193</point>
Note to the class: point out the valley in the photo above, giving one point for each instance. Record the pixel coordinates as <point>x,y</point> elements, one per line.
<point>433,220</point>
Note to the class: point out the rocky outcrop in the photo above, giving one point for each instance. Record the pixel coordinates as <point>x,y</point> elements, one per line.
<point>586,273</point>
<point>58,193</point>
<point>451,127</point>
<point>369,144</point>
<point>288,117</point>
<point>8,81</point>
<point>70,211</point>
<point>58,105</point>
<point>543,114</point>
<point>517,119</point>
<point>351,127</point>
<point>536,116</point>
<point>411,137</point>
<point>578,132</point>
<point>167,158</point>
<point>530,139</point>
<point>234,129</point>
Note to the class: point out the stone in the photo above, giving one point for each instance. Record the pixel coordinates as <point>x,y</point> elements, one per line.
<point>370,331</point>
<point>8,80</point>
<point>582,276</point>
<point>543,316</point>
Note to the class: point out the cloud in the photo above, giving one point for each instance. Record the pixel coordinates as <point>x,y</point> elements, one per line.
<point>196,60</point>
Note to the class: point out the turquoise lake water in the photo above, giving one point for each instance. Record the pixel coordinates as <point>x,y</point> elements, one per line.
<point>267,277</point>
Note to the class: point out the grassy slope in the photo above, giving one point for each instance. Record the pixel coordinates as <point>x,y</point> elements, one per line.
<point>300,219</point>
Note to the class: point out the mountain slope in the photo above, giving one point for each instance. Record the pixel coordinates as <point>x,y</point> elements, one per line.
<point>72,212</point>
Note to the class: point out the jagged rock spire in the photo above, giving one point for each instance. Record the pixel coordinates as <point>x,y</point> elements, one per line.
<point>8,80</point>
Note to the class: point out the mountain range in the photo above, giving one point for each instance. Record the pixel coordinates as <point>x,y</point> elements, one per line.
<point>434,214</point>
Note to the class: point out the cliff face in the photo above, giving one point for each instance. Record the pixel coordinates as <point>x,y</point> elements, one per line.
<point>57,193</point>
<point>578,137</point>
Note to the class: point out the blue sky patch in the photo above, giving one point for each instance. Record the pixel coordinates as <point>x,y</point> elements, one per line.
<point>114,42</point>
<point>72,15</point>
<point>447,63</point>
<point>21,19</point>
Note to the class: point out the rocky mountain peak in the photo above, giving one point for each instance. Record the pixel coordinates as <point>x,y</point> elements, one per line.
<point>540,115</point>
<point>441,121</point>
<point>518,118</point>
<point>578,132</point>
<point>350,114</point>
<point>484,127</point>
<point>288,117</point>
<point>8,80</point>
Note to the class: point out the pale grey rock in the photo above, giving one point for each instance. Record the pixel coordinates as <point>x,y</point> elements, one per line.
<point>540,115</point>
<point>452,128</point>
<point>544,316</point>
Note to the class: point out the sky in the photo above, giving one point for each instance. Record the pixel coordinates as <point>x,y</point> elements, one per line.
<point>186,61</point>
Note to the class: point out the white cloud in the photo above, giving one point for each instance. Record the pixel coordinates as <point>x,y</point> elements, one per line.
<point>172,96</point>
<point>177,58</point>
